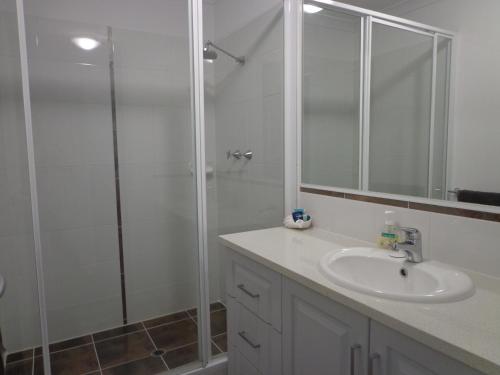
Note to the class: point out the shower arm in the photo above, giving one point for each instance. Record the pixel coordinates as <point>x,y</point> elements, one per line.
<point>240,60</point>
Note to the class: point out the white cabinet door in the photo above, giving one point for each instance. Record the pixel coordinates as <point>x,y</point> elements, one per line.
<point>321,337</point>
<point>391,353</point>
<point>239,365</point>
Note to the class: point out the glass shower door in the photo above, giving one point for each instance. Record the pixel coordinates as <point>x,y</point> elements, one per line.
<point>401,86</point>
<point>20,331</point>
<point>111,107</point>
<point>331,99</point>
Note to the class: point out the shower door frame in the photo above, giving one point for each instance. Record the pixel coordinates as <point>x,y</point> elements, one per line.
<point>195,15</point>
<point>368,18</point>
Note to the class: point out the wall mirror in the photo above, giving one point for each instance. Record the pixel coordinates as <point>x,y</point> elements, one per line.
<point>402,98</point>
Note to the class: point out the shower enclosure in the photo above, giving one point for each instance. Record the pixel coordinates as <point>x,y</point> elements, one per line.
<point>376,100</point>
<point>115,180</point>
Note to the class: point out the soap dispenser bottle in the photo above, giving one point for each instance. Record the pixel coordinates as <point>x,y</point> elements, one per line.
<point>390,233</point>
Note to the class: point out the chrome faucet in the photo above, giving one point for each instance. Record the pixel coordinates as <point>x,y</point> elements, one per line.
<point>412,245</point>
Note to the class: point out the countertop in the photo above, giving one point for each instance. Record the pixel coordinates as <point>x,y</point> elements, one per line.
<point>468,330</point>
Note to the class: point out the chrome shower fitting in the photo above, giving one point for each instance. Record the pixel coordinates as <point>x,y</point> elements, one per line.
<point>211,55</point>
<point>238,155</point>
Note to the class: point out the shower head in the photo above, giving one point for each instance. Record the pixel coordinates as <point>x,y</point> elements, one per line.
<point>209,54</point>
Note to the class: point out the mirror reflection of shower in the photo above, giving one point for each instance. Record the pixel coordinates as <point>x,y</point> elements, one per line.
<point>210,55</point>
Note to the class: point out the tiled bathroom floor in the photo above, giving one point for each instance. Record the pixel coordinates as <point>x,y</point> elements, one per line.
<point>127,350</point>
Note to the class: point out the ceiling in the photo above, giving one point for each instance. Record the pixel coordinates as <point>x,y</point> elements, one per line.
<point>378,5</point>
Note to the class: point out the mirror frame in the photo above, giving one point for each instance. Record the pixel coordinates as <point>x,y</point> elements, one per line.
<point>477,211</point>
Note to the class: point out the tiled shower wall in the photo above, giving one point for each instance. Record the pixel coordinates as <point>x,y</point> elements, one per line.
<point>248,115</point>
<point>74,154</point>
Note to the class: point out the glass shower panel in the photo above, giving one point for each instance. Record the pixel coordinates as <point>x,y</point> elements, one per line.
<point>155,138</point>
<point>243,111</point>
<point>401,82</point>
<point>440,141</point>
<point>330,124</point>
<point>19,309</point>
<point>111,108</point>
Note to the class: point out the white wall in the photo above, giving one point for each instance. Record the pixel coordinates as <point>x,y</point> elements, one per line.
<point>467,243</point>
<point>476,130</point>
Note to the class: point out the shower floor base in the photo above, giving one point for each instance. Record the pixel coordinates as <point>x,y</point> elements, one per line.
<point>143,348</point>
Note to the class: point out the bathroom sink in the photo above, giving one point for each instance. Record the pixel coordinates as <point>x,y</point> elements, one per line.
<point>374,271</point>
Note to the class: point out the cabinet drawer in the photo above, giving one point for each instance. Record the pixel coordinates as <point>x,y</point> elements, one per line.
<point>255,287</point>
<point>256,340</point>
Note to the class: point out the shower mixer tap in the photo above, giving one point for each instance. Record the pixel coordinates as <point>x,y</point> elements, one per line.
<point>238,155</point>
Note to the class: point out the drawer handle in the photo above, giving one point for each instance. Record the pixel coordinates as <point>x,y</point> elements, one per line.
<point>373,357</point>
<point>243,335</point>
<point>354,348</point>
<point>246,291</point>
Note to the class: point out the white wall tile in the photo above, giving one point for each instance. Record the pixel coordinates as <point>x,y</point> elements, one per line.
<point>467,243</point>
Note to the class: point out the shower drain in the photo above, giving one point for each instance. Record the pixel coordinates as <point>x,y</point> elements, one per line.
<point>157,353</point>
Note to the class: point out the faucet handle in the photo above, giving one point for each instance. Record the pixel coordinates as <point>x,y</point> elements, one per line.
<point>412,235</point>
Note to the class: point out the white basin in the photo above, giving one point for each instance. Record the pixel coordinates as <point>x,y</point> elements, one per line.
<point>374,271</point>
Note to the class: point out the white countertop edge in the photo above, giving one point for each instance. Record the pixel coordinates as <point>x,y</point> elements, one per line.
<point>465,356</point>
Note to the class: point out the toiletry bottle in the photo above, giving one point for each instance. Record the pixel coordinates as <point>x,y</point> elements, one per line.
<point>298,214</point>
<point>389,235</point>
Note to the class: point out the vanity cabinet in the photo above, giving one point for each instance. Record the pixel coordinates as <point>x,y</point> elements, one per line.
<point>277,326</point>
<point>392,353</point>
<point>254,317</point>
<point>321,337</point>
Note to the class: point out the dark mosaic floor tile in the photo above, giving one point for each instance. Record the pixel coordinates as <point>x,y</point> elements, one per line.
<point>174,335</point>
<point>71,343</point>
<point>215,349</point>
<point>74,361</point>
<point>221,342</point>
<point>126,348</point>
<point>20,356</point>
<point>216,306</point>
<point>165,319</point>
<point>145,366</point>
<point>20,368</point>
<point>184,355</point>
<point>181,356</point>
<point>218,322</point>
<point>109,333</point>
